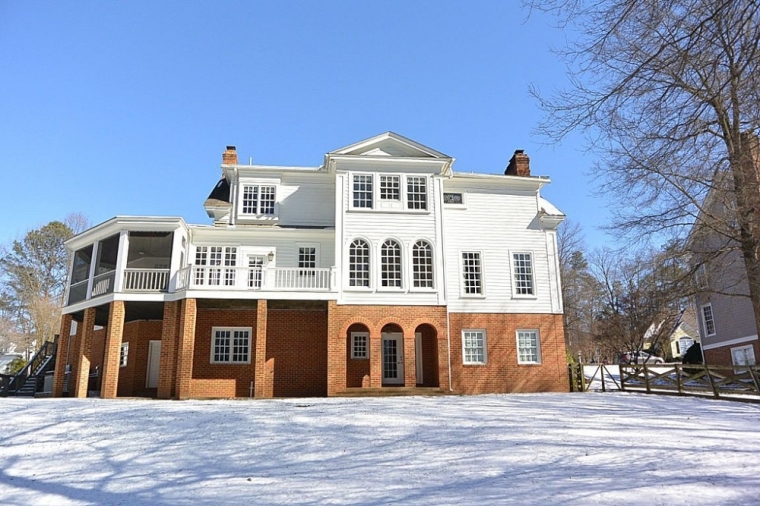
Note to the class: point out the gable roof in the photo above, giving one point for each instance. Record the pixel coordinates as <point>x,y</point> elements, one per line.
<point>390,144</point>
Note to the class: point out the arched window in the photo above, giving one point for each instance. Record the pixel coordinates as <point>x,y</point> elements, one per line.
<point>390,268</point>
<point>422,265</point>
<point>358,263</point>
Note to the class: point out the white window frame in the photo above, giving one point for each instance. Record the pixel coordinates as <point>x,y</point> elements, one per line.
<point>391,177</point>
<point>705,319</point>
<point>463,278</point>
<point>299,259</point>
<point>368,178</point>
<point>230,352</point>
<point>377,202</point>
<point>369,276</point>
<point>463,205</point>
<point>521,333</point>
<point>259,189</point>
<point>415,267</point>
<point>700,276</point>
<point>216,265</point>
<point>746,348</point>
<point>514,271</point>
<point>426,195</point>
<point>124,355</point>
<point>484,346</point>
<point>399,270</point>
<point>355,338</point>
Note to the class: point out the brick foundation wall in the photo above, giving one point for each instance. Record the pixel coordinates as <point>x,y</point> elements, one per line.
<point>722,356</point>
<point>297,349</point>
<point>221,380</point>
<point>502,373</point>
<point>132,377</point>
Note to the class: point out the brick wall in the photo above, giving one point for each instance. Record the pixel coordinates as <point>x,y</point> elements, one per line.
<point>132,377</point>
<point>297,350</point>
<point>502,373</point>
<point>722,356</point>
<point>221,380</point>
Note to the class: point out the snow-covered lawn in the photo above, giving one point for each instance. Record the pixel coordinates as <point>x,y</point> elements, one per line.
<point>593,448</point>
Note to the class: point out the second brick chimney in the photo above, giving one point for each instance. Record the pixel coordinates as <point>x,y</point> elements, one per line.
<point>519,164</point>
<point>229,157</point>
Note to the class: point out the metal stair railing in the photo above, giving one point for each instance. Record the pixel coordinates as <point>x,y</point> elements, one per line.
<point>32,369</point>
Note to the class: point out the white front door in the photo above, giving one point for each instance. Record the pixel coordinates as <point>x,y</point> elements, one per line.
<point>393,358</point>
<point>154,359</point>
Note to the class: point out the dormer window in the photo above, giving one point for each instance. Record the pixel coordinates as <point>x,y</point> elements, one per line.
<point>258,200</point>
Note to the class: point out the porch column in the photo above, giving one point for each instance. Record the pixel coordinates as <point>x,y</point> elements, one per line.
<point>167,370</point>
<point>112,352</point>
<point>62,355</point>
<point>375,359</point>
<point>264,369</point>
<point>336,352</point>
<point>185,348</point>
<point>81,375</point>
<point>410,359</point>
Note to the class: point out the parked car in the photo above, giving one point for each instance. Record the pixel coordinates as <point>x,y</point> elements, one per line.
<point>639,357</point>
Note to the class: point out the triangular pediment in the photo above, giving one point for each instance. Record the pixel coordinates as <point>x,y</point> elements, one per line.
<point>389,144</point>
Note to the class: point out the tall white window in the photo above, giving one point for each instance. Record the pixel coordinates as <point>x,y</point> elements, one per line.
<point>231,345</point>
<point>255,265</point>
<point>422,265</point>
<point>390,264</point>
<point>258,200</point>
<point>362,191</point>
<point>359,344</point>
<point>474,346</point>
<point>390,188</point>
<point>358,264</point>
<point>416,192</point>
<point>708,320</point>
<point>307,259</point>
<point>522,267</point>
<point>215,265</point>
<point>743,355</point>
<point>528,347</point>
<point>472,273</point>
<point>124,355</point>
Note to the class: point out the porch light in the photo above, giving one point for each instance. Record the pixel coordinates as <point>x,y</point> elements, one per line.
<point>270,256</point>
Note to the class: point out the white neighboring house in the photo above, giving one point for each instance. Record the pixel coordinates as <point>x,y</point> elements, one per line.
<point>379,268</point>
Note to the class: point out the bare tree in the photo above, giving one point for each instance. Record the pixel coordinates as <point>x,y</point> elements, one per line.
<point>668,93</point>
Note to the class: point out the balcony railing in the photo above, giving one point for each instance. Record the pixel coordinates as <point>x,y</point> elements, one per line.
<point>198,277</point>
<point>146,280</point>
<point>103,283</point>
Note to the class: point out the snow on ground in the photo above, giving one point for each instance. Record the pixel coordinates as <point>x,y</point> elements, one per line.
<point>573,449</point>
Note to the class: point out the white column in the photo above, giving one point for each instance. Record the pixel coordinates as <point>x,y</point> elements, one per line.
<point>121,261</point>
<point>93,264</point>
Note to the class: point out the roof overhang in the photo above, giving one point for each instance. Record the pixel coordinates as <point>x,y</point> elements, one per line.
<point>119,223</point>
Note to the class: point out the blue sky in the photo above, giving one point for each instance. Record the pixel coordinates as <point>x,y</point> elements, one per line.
<point>124,108</point>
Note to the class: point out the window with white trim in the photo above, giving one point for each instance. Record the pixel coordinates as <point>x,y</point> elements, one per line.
<point>700,276</point>
<point>473,346</point>
<point>362,191</point>
<point>416,192</point>
<point>390,264</point>
<point>390,188</point>
<point>422,265</point>
<point>683,344</point>
<point>528,347</point>
<point>456,199</point>
<point>358,264</point>
<point>472,273</point>
<point>215,265</point>
<point>360,345</point>
<point>707,319</point>
<point>255,266</point>
<point>307,260</point>
<point>123,354</point>
<point>743,355</point>
<point>522,268</point>
<point>258,200</point>
<point>231,345</point>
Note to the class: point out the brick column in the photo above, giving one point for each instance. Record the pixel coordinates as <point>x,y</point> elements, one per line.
<point>410,360</point>
<point>336,351</point>
<point>185,348</point>
<point>61,355</point>
<point>112,353</point>
<point>263,384</point>
<point>167,369</point>
<point>80,377</point>
<point>375,358</point>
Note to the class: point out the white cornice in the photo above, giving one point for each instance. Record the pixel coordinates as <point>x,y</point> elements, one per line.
<point>118,223</point>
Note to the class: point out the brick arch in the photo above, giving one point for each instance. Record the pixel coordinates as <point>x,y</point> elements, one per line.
<point>429,321</point>
<point>354,320</point>
<point>430,343</point>
<point>391,320</point>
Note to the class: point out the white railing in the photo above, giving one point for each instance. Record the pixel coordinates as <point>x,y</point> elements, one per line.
<point>146,280</point>
<point>103,283</point>
<point>199,277</point>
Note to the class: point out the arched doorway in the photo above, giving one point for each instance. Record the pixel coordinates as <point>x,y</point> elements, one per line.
<point>392,355</point>
<point>426,351</point>
<point>357,355</point>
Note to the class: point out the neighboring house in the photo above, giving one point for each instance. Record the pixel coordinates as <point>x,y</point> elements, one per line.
<point>685,334</point>
<point>381,267</point>
<point>6,359</point>
<point>727,325</point>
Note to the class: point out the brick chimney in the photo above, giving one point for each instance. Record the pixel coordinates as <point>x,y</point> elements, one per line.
<point>229,157</point>
<point>519,164</point>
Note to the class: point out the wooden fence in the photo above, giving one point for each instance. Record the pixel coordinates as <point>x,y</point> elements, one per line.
<point>737,383</point>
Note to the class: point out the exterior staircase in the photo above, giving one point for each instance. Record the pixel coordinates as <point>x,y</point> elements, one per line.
<point>30,380</point>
